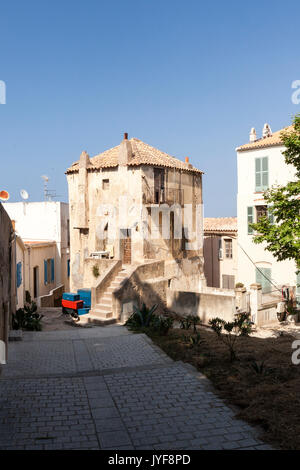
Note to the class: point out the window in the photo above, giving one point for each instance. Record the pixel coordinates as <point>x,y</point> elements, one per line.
<point>261,174</point>
<point>228,281</point>
<point>220,249</point>
<point>105,184</point>
<point>228,248</point>
<point>261,211</point>
<point>68,267</point>
<point>250,219</point>
<point>19,274</point>
<point>48,271</point>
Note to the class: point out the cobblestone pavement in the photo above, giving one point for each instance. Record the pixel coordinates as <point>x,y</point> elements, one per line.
<point>103,388</point>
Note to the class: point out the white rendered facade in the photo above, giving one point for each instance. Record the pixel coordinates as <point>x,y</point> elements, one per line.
<point>259,166</point>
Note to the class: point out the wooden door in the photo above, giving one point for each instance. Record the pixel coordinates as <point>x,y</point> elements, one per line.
<point>126,246</point>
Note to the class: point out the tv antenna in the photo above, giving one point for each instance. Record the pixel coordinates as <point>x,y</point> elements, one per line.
<point>49,194</point>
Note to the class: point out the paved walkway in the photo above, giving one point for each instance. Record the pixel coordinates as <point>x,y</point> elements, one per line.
<point>104,388</point>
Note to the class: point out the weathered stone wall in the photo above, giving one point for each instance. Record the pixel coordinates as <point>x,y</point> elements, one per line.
<point>205,305</point>
<point>92,193</point>
<point>147,284</point>
<point>7,301</point>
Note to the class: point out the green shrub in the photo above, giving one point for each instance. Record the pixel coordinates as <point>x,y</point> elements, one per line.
<point>229,339</point>
<point>228,332</point>
<point>27,318</point>
<point>189,320</point>
<point>243,323</point>
<point>239,284</point>
<point>95,270</point>
<point>161,324</point>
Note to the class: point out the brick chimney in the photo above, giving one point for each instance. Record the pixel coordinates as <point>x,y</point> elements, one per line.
<point>125,151</point>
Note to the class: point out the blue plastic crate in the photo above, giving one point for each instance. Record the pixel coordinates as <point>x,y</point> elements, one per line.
<point>71,296</point>
<point>83,311</point>
<point>85,295</point>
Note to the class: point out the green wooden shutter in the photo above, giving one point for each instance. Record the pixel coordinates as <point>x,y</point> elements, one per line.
<point>262,277</point>
<point>261,174</point>
<point>45,272</point>
<point>258,174</point>
<point>265,173</point>
<point>250,219</point>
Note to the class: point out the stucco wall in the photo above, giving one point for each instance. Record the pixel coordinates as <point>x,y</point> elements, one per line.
<point>43,221</point>
<point>34,257</point>
<point>283,272</point>
<point>214,266</point>
<point>205,305</point>
<point>7,279</point>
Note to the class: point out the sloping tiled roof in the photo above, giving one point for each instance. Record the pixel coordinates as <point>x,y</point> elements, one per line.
<point>272,141</point>
<point>142,154</point>
<point>220,224</point>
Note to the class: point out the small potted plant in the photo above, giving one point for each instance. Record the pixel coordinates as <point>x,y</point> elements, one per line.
<point>292,314</point>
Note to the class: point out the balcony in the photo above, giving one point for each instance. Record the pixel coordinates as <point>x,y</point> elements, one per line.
<point>163,196</point>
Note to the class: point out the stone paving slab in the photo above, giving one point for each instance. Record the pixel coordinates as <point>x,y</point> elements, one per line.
<point>70,356</point>
<point>110,392</point>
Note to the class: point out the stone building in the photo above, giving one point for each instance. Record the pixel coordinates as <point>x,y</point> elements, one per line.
<point>7,279</point>
<point>135,212</point>
<point>44,229</point>
<point>261,165</point>
<point>220,251</point>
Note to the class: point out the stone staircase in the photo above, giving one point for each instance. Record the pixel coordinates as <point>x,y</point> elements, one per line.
<point>102,312</point>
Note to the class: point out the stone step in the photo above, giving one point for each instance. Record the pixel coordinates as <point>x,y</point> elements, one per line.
<point>101,313</point>
<point>91,319</point>
<point>107,296</point>
<point>103,307</point>
<point>119,279</point>
<point>106,302</point>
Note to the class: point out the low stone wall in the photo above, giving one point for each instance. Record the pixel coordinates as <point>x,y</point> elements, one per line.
<point>205,305</point>
<point>53,299</point>
<point>146,284</point>
<point>102,264</point>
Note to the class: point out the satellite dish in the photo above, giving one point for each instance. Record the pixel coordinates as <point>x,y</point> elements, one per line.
<point>4,195</point>
<point>24,194</point>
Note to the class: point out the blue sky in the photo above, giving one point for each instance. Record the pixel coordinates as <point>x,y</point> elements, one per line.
<point>190,78</point>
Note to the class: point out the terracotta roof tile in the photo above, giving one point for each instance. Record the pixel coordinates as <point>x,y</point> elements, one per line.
<point>220,224</point>
<point>273,140</point>
<point>143,154</point>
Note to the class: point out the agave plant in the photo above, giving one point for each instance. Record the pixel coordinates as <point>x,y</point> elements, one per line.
<point>141,317</point>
